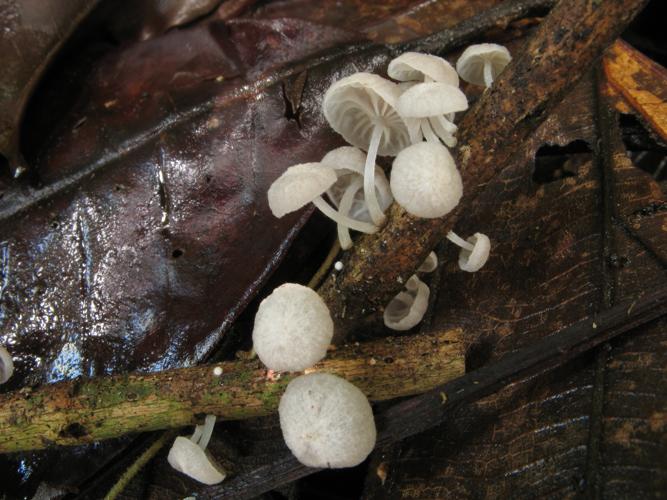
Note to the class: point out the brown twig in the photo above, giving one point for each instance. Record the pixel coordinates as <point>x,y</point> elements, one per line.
<point>83,411</point>
<point>566,44</point>
<point>423,412</point>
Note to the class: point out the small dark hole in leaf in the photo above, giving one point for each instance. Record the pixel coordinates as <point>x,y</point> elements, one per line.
<point>552,162</point>
<point>118,187</point>
<point>645,152</point>
<point>177,253</point>
<point>54,225</point>
<point>208,179</point>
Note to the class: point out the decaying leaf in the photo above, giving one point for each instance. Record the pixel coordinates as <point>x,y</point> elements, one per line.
<point>31,32</point>
<point>640,82</point>
<point>558,255</point>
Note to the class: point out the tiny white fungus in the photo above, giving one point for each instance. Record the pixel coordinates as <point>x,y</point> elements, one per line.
<point>407,308</point>
<point>293,328</point>
<point>362,108</point>
<point>217,371</point>
<point>480,64</point>
<point>326,421</point>
<point>338,266</point>
<point>415,66</point>
<point>425,181</point>
<point>474,251</point>
<point>430,264</point>
<point>188,455</point>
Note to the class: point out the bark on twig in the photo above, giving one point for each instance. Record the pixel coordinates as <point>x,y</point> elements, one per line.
<point>423,412</point>
<point>83,411</point>
<point>571,38</point>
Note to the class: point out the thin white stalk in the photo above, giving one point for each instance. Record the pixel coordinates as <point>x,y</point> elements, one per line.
<point>356,225</point>
<point>207,432</point>
<point>414,130</point>
<point>196,435</point>
<point>344,207</point>
<point>458,241</point>
<point>428,131</point>
<point>447,137</point>
<point>374,209</point>
<point>488,74</point>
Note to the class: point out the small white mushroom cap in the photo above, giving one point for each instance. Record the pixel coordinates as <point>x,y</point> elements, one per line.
<point>293,328</point>
<point>348,162</point>
<point>6,365</point>
<point>425,180</point>
<point>431,99</point>
<point>473,260</point>
<point>298,186</point>
<point>188,458</point>
<point>471,65</point>
<point>326,421</point>
<point>417,66</point>
<point>407,309</point>
<point>354,106</point>
<point>430,264</point>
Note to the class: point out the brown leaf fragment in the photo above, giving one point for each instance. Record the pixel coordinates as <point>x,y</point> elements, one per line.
<point>642,83</point>
<point>31,33</point>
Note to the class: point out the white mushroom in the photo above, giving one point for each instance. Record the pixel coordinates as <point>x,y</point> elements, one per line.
<point>305,183</point>
<point>425,180</point>
<point>188,455</point>
<point>407,309</point>
<point>481,64</point>
<point>362,108</point>
<point>428,109</point>
<point>293,328</point>
<point>348,162</point>
<point>326,421</point>
<point>415,66</point>
<point>6,365</point>
<point>430,264</point>
<point>474,251</point>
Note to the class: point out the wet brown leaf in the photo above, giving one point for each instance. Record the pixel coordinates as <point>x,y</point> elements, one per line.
<point>31,33</point>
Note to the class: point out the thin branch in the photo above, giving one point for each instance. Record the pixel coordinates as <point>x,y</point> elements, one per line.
<point>83,411</point>
<point>430,409</point>
<point>566,44</point>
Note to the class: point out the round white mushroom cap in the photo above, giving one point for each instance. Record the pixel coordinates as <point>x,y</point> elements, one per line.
<point>298,186</point>
<point>407,309</point>
<point>348,162</point>
<point>431,99</point>
<point>188,458</point>
<point>6,365</point>
<point>326,421</point>
<point>470,65</point>
<point>417,66</point>
<point>293,328</point>
<point>473,260</point>
<point>425,180</point>
<point>355,105</point>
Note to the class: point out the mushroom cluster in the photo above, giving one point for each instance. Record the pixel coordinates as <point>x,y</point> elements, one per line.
<point>325,420</point>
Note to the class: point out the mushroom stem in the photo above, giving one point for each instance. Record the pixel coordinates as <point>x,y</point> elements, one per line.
<point>457,240</point>
<point>374,209</point>
<point>344,209</point>
<point>444,129</point>
<point>207,431</point>
<point>326,209</point>
<point>488,74</point>
<point>429,135</point>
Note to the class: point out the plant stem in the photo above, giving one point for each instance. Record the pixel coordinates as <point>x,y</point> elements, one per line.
<point>83,411</point>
